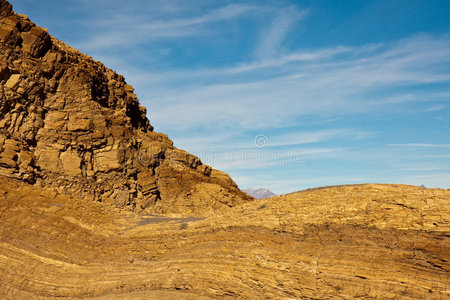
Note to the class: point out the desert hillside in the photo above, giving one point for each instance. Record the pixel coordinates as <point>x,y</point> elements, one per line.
<point>365,241</point>
<point>95,204</point>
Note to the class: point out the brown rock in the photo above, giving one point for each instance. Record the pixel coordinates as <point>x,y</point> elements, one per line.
<point>4,73</point>
<point>5,9</point>
<point>13,81</point>
<point>48,160</point>
<point>363,241</point>
<point>25,159</point>
<point>79,126</point>
<point>71,163</point>
<point>106,161</point>
<point>36,42</point>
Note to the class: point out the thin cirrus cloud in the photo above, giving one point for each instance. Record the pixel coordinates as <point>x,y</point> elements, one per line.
<point>273,37</point>
<point>338,83</point>
<point>257,159</point>
<point>421,145</point>
<point>125,29</point>
<point>435,108</point>
<point>214,111</point>
<point>318,136</point>
<point>229,141</point>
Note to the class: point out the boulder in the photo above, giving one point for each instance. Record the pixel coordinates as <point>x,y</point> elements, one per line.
<point>36,42</point>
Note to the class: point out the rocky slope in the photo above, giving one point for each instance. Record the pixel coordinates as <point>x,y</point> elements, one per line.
<point>70,122</point>
<point>363,241</point>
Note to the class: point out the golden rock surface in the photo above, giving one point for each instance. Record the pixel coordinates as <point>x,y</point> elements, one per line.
<point>359,241</point>
<point>68,121</point>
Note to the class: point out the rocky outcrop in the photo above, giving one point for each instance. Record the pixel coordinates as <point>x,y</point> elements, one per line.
<point>363,241</point>
<point>68,121</point>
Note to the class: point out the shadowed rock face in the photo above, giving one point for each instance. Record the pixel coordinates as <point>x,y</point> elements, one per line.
<point>68,121</point>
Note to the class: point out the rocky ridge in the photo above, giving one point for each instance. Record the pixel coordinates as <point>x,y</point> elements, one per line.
<point>68,121</point>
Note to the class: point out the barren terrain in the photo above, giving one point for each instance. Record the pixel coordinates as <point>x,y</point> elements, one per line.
<point>362,241</point>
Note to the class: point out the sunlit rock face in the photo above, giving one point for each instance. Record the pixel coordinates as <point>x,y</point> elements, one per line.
<point>68,121</point>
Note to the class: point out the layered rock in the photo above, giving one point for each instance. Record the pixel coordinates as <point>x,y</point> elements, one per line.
<point>68,121</point>
<point>364,241</point>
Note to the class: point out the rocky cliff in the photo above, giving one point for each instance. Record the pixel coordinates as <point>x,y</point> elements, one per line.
<point>68,121</point>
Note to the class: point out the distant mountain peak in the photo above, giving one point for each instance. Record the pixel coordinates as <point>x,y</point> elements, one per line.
<point>260,193</point>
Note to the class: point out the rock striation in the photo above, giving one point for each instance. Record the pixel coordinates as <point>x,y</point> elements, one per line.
<point>68,121</point>
<point>364,241</point>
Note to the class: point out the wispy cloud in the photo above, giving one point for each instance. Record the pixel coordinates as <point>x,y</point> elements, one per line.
<point>283,60</point>
<point>125,29</point>
<point>273,37</point>
<point>272,140</point>
<point>266,158</point>
<point>420,145</point>
<point>345,83</point>
<point>435,108</point>
<point>300,137</point>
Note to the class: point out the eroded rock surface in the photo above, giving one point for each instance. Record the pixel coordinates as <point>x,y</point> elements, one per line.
<point>68,121</point>
<point>363,241</point>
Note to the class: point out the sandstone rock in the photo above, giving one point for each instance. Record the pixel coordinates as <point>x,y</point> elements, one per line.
<point>48,159</point>
<point>79,126</point>
<point>5,9</point>
<point>13,81</point>
<point>71,163</point>
<point>106,161</point>
<point>147,183</point>
<point>363,241</point>
<point>25,159</point>
<point>36,42</point>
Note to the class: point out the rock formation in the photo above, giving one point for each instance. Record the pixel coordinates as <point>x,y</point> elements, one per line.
<point>68,121</point>
<point>365,241</point>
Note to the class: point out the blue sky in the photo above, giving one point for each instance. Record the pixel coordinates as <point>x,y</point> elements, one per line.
<point>281,94</point>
